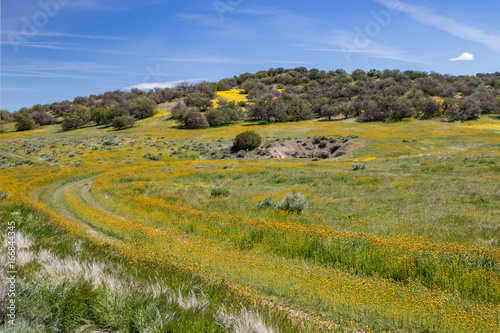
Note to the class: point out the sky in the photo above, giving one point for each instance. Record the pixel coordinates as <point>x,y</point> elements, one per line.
<point>53,50</point>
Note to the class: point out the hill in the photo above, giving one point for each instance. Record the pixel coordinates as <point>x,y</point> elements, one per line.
<point>162,227</point>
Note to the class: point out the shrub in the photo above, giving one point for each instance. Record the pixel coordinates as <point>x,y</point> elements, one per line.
<point>219,192</point>
<point>24,122</point>
<point>247,140</point>
<point>43,118</point>
<point>4,195</point>
<point>150,156</point>
<point>335,147</point>
<point>199,101</point>
<point>144,107</point>
<point>193,118</point>
<point>216,117</point>
<point>358,166</point>
<point>178,106</point>
<point>322,144</point>
<point>468,109</point>
<point>123,122</point>
<point>318,138</point>
<point>263,152</point>
<point>293,202</point>
<point>5,116</point>
<point>266,203</point>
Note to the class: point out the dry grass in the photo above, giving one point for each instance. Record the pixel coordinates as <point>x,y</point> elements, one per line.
<point>242,321</point>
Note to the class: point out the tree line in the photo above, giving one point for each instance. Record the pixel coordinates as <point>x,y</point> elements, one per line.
<point>279,95</point>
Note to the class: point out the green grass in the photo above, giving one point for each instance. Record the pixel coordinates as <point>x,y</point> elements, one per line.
<point>128,299</point>
<point>428,203</point>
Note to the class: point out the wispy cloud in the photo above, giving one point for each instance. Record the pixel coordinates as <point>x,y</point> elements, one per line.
<point>67,47</point>
<point>228,60</point>
<point>278,18</point>
<point>4,88</point>
<point>202,59</point>
<point>93,5</point>
<point>50,65</point>
<point>203,20</point>
<point>64,69</point>
<point>19,73</point>
<point>330,50</point>
<point>56,34</point>
<point>466,56</point>
<point>41,45</point>
<point>350,43</point>
<point>298,62</point>
<point>162,85</point>
<point>458,29</point>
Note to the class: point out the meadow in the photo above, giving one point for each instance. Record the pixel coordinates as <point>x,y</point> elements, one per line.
<point>409,243</point>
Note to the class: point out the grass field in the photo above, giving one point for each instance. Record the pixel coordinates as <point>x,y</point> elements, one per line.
<point>410,243</point>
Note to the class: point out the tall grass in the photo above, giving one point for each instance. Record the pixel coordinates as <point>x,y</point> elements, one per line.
<point>62,291</point>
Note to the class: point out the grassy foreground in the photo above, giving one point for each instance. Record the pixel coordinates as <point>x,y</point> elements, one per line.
<point>410,243</point>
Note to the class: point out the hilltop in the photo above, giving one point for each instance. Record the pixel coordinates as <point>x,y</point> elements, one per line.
<point>280,95</point>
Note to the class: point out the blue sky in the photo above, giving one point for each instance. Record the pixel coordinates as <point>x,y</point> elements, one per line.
<point>53,50</point>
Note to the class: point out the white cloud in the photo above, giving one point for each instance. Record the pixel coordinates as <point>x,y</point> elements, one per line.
<point>466,56</point>
<point>162,85</point>
<point>458,29</point>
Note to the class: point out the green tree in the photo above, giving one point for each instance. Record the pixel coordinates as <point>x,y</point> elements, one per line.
<point>101,116</point>
<point>5,116</point>
<point>346,109</point>
<point>39,108</point>
<point>468,109</point>
<point>299,110</point>
<point>328,111</point>
<point>199,100</point>
<point>43,118</point>
<point>24,122</point>
<point>193,118</point>
<point>77,116</point>
<point>144,107</point>
<point>429,108</point>
<point>122,122</point>
<point>217,117</point>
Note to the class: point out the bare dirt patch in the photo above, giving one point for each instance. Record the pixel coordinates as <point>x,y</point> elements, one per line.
<point>319,147</point>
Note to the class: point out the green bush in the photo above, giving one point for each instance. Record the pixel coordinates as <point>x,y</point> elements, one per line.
<point>150,156</point>
<point>24,122</point>
<point>318,138</point>
<point>193,118</point>
<point>219,192</point>
<point>216,117</point>
<point>358,166</point>
<point>247,140</point>
<point>121,122</point>
<point>293,202</point>
<point>266,203</point>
